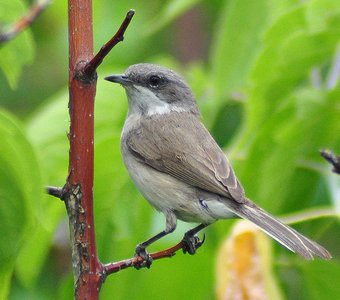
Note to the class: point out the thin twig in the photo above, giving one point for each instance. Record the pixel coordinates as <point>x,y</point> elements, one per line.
<point>289,219</point>
<point>25,21</point>
<point>134,261</point>
<point>332,159</point>
<point>91,66</point>
<point>55,191</point>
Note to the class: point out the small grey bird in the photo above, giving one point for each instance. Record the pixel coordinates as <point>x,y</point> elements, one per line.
<point>179,168</point>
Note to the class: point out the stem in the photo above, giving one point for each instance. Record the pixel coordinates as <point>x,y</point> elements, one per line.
<point>310,214</point>
<point>77,192</point>
<point>25,21</point>
<point>78,189</point>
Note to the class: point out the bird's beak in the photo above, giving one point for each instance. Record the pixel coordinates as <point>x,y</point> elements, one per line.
<point>122,79</point>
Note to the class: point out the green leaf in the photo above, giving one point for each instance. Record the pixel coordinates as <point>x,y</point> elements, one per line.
<point>20,191</point>
<point>319,12</point>
<point>16,53</point>
<point>320,280</point>
<point>237,42</point>
<point>169,12</point>
<point>291,50</point>
<point>236,45</point>
<point>33,254</point>
<point>5,281</point>
<point>47,130</point>
<point>286,146</point>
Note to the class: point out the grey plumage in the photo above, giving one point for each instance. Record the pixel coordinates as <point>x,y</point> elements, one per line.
<point>178,166</point>
<point>184,154</point>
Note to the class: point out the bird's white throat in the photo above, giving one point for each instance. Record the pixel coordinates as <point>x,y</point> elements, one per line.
<point>141,98</point>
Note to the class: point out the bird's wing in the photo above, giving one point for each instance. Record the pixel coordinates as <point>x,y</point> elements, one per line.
<point>186,151</point>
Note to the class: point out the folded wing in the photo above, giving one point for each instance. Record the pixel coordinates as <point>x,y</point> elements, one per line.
<point>186,151</point>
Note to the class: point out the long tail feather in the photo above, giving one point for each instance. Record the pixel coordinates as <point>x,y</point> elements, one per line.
<point>282,233</point>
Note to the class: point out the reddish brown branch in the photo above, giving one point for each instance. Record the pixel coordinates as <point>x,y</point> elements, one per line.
<point>332,159</point>
<point>25,21</point>
<point>91,66</point>
<point>78,190</point>
<point>134,261</point>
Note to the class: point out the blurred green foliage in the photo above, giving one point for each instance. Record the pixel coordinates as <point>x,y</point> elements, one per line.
<point>264,86</point>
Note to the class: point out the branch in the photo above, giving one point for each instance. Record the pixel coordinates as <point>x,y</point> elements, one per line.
<point>78,190</point>
<point>25,21</point>
<point>92,66</point>
<point>135,261</point>
<point>332,159</point>
<point>78,196</point>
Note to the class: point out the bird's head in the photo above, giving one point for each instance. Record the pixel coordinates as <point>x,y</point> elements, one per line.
<point>152,90</point>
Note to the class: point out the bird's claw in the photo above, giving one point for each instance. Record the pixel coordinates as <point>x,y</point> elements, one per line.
<point>192,243</point>
<point>147,259</point>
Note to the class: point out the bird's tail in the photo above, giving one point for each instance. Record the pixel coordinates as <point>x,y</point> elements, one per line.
<point>282,233</point>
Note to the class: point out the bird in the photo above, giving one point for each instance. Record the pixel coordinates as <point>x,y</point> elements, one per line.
<point>179,168</point>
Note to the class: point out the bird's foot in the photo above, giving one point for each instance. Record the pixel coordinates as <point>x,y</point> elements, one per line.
<point>147,259</point>
<point>191,243</point>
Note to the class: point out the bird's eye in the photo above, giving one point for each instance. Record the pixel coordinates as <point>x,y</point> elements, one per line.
<point>155,80</point>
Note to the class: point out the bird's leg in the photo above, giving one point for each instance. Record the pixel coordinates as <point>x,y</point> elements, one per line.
<point>171,222</point>
<point>191,241</point>
<point>141,250</point>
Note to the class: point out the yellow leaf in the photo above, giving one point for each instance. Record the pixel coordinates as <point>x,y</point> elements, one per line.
<point>244,266</point>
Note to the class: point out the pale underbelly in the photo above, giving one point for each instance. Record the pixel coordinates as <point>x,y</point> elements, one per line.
<point>168,194</point>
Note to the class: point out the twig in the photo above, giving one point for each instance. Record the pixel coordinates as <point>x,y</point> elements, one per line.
<point>332,159</point>
<point>289,219</point>
<point>25,21</point>
<point>127,263</point>
<point>55,191</point>
<point>91,66</point>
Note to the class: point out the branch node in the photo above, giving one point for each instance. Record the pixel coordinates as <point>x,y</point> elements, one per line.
<point>82,76</point>
<point>57,192</point>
